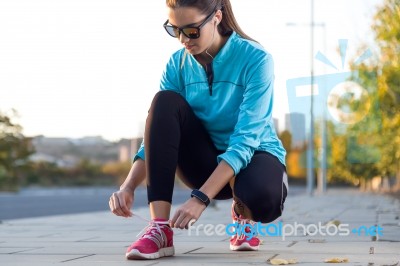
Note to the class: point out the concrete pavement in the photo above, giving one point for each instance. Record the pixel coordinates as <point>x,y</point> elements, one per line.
<point>101,238</point>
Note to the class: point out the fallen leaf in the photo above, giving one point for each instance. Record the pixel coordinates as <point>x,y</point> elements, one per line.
<point>278,262</point>
<point>337,260</point>
<point>282,261</point>
<point>334,222</point>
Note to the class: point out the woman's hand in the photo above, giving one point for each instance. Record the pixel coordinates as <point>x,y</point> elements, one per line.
<point>190,210</point>
<point>121,202</point>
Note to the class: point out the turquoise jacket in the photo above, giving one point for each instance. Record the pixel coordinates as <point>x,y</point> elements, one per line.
<point>238,113</point>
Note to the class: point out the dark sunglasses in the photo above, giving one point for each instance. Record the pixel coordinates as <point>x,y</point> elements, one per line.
<point>190,31</point>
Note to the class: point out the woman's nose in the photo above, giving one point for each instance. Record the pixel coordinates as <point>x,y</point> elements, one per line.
<point>182,38</point>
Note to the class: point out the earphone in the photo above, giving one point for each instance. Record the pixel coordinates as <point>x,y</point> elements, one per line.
<point>216,22</point>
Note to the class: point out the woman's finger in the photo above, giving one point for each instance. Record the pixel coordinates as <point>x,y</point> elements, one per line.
<point>116,207</point>
<point>185,222</point>
<point>174,218</point>
<point>123,208</point>
<point>191,222</point>
<point>179,219</point>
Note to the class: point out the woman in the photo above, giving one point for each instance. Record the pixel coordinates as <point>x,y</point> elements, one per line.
<point>211,125</point>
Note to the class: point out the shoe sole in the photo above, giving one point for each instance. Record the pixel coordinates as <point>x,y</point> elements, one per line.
<point>135,254</point>
<point>243,247</point>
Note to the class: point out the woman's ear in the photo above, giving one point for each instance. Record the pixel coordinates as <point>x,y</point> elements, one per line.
<point>218,17</point>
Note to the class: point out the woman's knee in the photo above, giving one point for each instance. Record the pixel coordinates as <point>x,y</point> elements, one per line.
<point>165,98</point>
<point>267,206</point>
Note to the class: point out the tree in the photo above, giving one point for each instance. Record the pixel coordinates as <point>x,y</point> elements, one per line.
<point>384,72</point>
<point>117,169</point>
<point>387,30</point>
<point>14,152</point>
<point>286,138</point>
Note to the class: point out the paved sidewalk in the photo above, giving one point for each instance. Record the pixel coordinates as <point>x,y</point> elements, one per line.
<point>101,238</point>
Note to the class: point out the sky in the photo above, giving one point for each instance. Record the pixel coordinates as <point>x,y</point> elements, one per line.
<point>74,68</point>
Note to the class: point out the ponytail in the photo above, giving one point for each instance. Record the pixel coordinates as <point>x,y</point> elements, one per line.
<point>229,23</point>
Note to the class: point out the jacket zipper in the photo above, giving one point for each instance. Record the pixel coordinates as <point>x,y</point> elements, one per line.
<point>210,76</point>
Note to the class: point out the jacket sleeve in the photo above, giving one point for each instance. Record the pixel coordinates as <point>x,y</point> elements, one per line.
<point>170,80</point>
<point>254,114</point>
<point>140,152</point>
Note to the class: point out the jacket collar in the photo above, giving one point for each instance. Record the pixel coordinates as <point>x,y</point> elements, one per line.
<point>226,49</point>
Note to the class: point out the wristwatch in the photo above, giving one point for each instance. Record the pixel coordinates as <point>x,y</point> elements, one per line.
<point>200,196</point>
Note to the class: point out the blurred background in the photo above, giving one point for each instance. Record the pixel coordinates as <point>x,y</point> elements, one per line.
<point>77,78</point>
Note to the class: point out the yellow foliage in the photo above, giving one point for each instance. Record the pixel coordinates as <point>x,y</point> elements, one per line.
<point>117,169</point>
<point>294,165</point>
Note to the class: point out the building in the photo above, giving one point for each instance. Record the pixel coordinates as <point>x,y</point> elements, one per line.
<point>295,123</point>
<point>128,148</point>
<point>276,125</point>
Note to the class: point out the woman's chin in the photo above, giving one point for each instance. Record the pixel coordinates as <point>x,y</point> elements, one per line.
<point>191,50</point>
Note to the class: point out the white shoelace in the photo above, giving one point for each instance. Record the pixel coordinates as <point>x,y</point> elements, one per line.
<point>153,231</point>
<point>242,222</point>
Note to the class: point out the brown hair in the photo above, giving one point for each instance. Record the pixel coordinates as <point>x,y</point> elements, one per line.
<point>228,23</point>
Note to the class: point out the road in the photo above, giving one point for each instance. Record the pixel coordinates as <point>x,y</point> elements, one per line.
<point>56,201</point>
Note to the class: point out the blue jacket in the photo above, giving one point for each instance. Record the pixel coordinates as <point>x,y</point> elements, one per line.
<point>238,114</point>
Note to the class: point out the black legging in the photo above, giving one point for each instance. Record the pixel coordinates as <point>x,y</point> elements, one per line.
<point>176,142</point>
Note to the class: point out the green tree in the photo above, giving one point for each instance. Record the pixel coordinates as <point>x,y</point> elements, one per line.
<point>14,152</point>
<point>387,29</point>
<point>382,129</point>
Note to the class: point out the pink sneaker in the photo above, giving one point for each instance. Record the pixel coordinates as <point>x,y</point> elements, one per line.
<point>239,242</point>
<point>155,243</point>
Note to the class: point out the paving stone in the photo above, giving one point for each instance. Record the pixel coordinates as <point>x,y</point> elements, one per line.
<point>101,238</point>
<point>319,258</point>
<point>390,233</point>
<point>15,250</point>
<point>35,260</point>
<point>109,260</point>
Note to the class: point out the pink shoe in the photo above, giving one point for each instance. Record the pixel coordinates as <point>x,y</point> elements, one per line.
<point>239,241</point>
<point>155,243</point>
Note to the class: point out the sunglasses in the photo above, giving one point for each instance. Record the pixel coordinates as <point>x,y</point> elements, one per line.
<point>189,31</point>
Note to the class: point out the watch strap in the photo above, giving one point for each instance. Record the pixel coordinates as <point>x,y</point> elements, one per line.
<point>200,196</point>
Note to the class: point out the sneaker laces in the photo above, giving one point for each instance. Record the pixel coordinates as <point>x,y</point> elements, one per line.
<point>242,222</point>
<point>153,231</point>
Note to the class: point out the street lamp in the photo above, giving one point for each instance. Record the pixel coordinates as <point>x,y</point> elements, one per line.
<point>310,161</point>
<point>310,150</point>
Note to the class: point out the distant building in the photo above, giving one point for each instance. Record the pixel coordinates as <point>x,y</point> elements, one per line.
<point>276,125</point>
<point>295,123</point>
<point>68,152</point>
<point>128,149</point>
<point>124,153</point>
<point>65,162</point>
<point>45,141</point>
<point>90,141</point>
<point>85,141</point>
